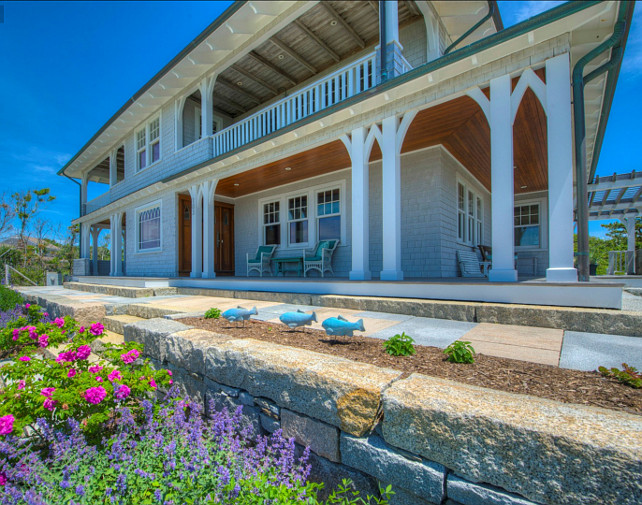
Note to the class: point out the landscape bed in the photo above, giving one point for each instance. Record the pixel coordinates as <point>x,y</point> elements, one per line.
<point>564,385</point>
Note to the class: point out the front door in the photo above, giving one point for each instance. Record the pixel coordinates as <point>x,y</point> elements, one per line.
<point>224,238</point>
<point>184,235</point>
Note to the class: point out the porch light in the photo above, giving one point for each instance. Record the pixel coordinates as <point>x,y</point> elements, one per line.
<point>280,56</point>
<point>239,83</point>
<point>287,169</point>
<point>523,187</point>
<point>236,184</point>
<point>333,22</point>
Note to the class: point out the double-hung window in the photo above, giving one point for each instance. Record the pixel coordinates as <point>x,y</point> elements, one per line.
<point>148,144</point>
<point>469,216</point>
<point>149,228</point>
<point>298,220</point>
<point>271,223</point>
<point>328,214</point>
<point>527,225</point>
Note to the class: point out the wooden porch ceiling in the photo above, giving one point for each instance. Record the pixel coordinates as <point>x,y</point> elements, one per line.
<point>100,173</point>
<point>459,125</point>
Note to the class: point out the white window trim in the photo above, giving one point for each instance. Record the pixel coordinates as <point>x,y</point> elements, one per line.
<point>543,223</point>
<point>288,221</point>
<point>477,240</point>
<point>148,151</point>
<point>265,225</point>
<point>137,212</point>
<point>311,193</point>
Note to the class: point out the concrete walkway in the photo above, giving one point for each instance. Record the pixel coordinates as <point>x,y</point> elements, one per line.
<point>567,349</point>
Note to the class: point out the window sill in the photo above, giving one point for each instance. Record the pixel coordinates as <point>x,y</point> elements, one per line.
<point>141,170</point>
<point>149,251</point>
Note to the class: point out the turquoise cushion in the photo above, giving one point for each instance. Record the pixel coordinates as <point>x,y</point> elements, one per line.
<point>254,261</point>
<point>323,244</point>
<point>313,258</point>
<point>262,249</point>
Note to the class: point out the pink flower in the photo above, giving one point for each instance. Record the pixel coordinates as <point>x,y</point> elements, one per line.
<point>115,376</point>
<point>99,378</point>
<point>21,384</point>
<point>24,358</point>
<point>66,356</point>
<point>3,479</point>
<point>96,329</point>
<point>171,382</point>
<point>152,383</point>
<point>71,373</point>
<point>130,356</point>
<point>59,321</point>
<point>169,372</point>
<point>6,424</point>
<point>122,392</point>
<point>43,340</point>
<point>27,305</point>
<point>32,332</point>
<point>47,392</point>
<point>83,352</point>
<point>49,404</point>
<point>46,314</point>
<point>95,395</point>
<point>81,329</point>
<point>16,333</point>
<point>95,369</point>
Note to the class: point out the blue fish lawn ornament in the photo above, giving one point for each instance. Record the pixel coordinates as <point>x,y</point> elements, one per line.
<point>340,326</point>
<point>239,314</point>
<point>298,318</point>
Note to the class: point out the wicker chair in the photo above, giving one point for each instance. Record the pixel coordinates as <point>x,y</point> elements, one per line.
<point>321,258</point>
<point>261,260</point>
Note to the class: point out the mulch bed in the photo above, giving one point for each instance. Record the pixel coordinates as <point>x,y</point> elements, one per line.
<point>568,386</point>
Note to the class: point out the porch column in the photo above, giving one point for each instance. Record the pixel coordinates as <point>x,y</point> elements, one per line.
<point>83,194</point>
<point>197,236</point>
<point>501,173</point>
<point>560,171</point>
<point>112,245</point>
<point>390,46</point>
<point>206,88</point>
<point>359,154</point>
<point>95,232</point>
<point>113,167</point>
<point>85,237</point>
<point>391,201</point>
<point>178,121</point>
<point>629,223</point>
<point>116,244</point>
<point>207,190</point>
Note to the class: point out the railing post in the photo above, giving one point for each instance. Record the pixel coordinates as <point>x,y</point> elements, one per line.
<point>7,279</point>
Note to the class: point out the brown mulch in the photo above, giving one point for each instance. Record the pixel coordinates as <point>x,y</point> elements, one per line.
<point>514,376</point>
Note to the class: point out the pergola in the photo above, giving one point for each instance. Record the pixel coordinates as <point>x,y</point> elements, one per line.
<point>618,196</point>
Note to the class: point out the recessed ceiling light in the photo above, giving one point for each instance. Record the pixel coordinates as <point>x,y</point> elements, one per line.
<point>287,169</point>
<point>236,184</point>
<point>239,83</point>
<point>523,187</point>
<point>280,56</point>
<point>333,22</point>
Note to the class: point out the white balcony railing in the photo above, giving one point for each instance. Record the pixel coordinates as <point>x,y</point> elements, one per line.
<point>361,75</point>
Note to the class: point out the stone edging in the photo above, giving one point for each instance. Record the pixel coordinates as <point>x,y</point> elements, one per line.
<point>437,440</point>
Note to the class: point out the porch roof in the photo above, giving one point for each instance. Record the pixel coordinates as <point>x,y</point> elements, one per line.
<point>615,196</point>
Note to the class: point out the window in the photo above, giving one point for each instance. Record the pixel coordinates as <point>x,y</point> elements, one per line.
<point>469,216</point>
<point>271,224</point>
<point>328,214</point>
<point>149,229</point>
<point>298,220</point>
<point>148,144</point>
<point>527,225</point>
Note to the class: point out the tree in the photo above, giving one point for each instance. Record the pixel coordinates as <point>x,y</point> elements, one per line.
<point>616,232</point>
<point>6,215</point>
<point>26,205</point>
<point>104,248</point>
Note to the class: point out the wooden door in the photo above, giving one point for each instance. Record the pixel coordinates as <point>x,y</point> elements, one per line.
<point>224,238</point>
<point>184,235</point>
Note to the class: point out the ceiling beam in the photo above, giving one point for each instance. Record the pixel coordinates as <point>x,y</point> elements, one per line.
<point>294,55</point>
<point>258,58</point>
<point>375,6</point>
<point>256,79</point>
<point>218,110</point>
<point>360,42</point>
<point>237,89</point>
<point>318,41</point>
<point>412,7</point>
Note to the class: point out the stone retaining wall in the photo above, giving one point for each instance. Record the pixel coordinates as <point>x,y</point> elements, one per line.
<point>433,440</point>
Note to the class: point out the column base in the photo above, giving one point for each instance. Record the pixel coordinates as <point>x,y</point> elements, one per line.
<point>391,275</point>
<point>360,275</point>
<point>208,275</point>
<point>195,275</point>
<point>561,275</point>
<point>502,275</point>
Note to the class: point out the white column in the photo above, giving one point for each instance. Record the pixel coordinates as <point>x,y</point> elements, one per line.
<point>83,194</point>
<point>392,21</point>
<point>95,232</point>
<point>178,121</point>
<point>206,88</point>
<point>501,172</point>
<point>197,236</point>
<point>359,155</point>
<point>85,237</point>
<point>208,189</point>
<point>560,171</point>
<point>629,222</point>
<point>117,244</point>
<point>391,205</point>
<point>112,245</point>
<point>113,167</point>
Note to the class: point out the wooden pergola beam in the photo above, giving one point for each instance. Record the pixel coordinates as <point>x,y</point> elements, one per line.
<point>318,41</point>
<point>258,58</point>
<point>256,79</point>
<point>294,55</point>
<point>355,36</point>
<point>237,89</point>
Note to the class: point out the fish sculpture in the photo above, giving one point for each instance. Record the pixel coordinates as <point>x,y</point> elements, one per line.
<point>298,318</point>
<point>340,326</point>
<point>239,314</point>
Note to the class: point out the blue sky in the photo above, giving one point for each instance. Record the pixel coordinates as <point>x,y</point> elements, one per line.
<point>68,66</point>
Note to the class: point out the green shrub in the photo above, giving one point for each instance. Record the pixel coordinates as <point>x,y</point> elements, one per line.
<point>9,298</point>
<point>400,345</point>
<point>629,375</point>
<point>460,352</point>
<point>213,313</point>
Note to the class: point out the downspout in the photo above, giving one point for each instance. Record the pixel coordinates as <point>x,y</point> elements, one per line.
<point>491,12</point>
<point>579,81</point>
<point>79,211</point>
<point>383,46</point>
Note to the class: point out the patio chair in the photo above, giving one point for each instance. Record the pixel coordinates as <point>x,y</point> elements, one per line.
<point>321,258</point>
<point>469,264</point>
<point>261,260</point>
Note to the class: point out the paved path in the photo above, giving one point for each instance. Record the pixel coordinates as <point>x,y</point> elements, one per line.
<point>567,349</point>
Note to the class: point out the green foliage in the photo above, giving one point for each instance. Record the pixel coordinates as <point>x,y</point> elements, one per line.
<point>213,313</point>
<point>400,345</point>
<point>9,298</point>
<point>460,352</point>
<point>629,375</point>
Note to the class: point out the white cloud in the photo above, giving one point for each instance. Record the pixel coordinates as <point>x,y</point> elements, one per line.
<point>42,161</point>
<point>532,8</point>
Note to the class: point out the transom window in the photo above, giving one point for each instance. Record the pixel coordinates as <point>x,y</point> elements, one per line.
<point>271,223</point>
<point>149,229</point>
<point>527,225</point>
<point>148,144</point>
<point>328,214</point>
<point>469,216</point>
<point>298,220</point>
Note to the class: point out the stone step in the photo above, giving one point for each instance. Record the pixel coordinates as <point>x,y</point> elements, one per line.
<point>124,291</point>
<point>116,324</point>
